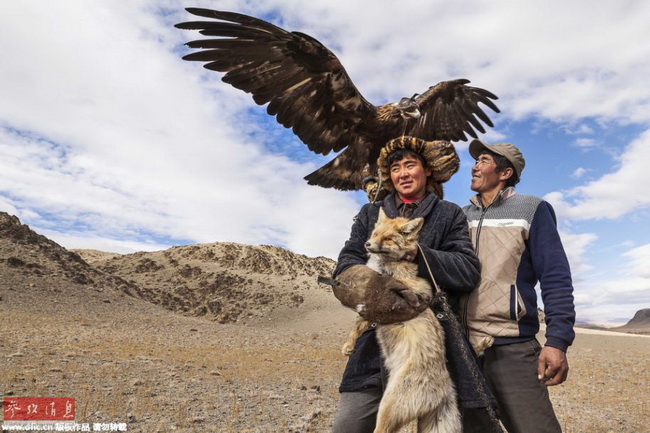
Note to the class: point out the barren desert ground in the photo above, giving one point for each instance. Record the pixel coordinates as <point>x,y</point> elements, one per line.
<point>270,363</point>
<point>127,361</point>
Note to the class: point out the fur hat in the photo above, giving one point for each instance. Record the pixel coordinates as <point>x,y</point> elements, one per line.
<point>440,156</point>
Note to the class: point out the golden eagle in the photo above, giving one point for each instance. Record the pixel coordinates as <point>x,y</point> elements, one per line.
<point>308,90</point>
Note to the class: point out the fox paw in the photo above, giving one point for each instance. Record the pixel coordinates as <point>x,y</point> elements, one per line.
<point>347,349</point>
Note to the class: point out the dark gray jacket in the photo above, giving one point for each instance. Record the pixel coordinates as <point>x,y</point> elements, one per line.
<point>449,252</point>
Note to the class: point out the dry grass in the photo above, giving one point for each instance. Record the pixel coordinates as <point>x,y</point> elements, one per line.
<point>181,374</point>
<point>128,361</point>
<point>607,391</point>
<point>182,378</point>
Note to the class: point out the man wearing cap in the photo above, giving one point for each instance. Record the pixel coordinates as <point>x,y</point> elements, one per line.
<point>410,172</point>
<point>516,239</point>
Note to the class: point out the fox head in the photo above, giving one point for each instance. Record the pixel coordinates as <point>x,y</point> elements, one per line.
<point>394,238</point>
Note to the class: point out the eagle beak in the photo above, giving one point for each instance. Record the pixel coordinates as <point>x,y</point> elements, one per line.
<point>410,112</point>
<point>415,113</point>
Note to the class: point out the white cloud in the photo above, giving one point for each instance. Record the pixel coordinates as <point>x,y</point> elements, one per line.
<point>639,261</point>
<point>7,206</point>
<point>108,133</point>
<point>535,55</point>
<point>577,129</point>
<point>611,301</point>
<point>575,246</point>
<point>614,194</point>
<point>614,296</point>
<point>579,172</point>
<point>88,241</point>
<point>586,143</point>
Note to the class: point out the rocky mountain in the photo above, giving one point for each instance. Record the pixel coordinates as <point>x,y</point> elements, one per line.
<point>641,318</point>
<point>28,259</point>
<point>225,282</point>
<point>639,324</point>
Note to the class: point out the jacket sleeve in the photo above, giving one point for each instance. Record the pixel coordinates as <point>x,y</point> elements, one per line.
<point>551,266</point>
<point>452,261</point>
<point>354,251</point>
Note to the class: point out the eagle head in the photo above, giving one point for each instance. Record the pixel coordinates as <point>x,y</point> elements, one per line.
<point>407,107</point>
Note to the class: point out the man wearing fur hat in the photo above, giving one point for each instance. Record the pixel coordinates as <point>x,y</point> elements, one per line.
<point>412,170</point>
<point>517,242</point>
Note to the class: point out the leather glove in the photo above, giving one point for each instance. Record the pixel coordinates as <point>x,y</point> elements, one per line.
<point>377,298</point>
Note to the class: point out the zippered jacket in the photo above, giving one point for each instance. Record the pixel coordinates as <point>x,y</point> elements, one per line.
<point>445,241</point>
<point>518,245</point>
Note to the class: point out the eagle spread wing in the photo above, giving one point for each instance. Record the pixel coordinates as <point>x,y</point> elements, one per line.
<point>308,90</point>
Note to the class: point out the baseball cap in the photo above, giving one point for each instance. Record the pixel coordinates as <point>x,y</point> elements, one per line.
<point>507,150</point>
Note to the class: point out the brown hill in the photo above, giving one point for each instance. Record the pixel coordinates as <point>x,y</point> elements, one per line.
<point>27,258</point>
<point>225,282</point>
<point>639,324</point>
<point>641,318</point>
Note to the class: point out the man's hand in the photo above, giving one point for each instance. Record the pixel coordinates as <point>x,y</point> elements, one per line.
<point>389,301</point>
<point>377,298</point>
<point>552,366</point>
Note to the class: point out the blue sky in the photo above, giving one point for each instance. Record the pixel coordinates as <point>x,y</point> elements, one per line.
<point>109,141</point>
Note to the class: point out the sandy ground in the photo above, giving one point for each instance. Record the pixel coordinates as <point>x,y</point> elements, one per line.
<point>125,360</point>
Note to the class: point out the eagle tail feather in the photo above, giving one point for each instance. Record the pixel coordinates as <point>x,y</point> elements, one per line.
<point>340,173</point>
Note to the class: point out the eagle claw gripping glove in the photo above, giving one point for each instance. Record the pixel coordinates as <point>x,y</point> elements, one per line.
<point>377,298</point>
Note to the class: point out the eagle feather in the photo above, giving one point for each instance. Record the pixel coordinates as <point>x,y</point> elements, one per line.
<point>308,90</point>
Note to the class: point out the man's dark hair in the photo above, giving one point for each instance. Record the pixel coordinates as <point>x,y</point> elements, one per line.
<point>502,163</point>
<point>400,154</point>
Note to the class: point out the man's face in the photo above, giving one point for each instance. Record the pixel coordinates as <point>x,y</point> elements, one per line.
<point>485,179</point>
<point>409,177</point>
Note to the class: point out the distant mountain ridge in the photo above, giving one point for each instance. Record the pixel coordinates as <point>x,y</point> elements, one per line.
<point>223,282</point>
<point>640,323</point>
<point>27,256</point>
<point>641,318</point>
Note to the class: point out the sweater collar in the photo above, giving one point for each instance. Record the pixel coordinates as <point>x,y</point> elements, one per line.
<point>423,208</point>
<point>503,195</point>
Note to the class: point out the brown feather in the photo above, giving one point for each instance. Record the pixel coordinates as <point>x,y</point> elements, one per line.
<point>308,90</point>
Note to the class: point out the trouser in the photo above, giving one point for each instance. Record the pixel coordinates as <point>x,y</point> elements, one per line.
<point>524,403</point>
<point>357,412</point>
